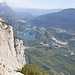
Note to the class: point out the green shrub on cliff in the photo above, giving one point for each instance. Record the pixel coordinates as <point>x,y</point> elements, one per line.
<point>32,70</point>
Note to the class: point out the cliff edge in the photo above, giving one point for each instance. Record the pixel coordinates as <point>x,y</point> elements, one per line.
<point>11,51</point>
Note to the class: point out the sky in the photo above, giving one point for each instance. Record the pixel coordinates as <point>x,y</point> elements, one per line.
<point>41,4</point>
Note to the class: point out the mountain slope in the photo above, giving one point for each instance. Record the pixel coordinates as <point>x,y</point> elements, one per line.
<point>25,16</point>
<point>10,16</point>
<point>28,14</point>
<point>5,9</point>
<point>63,19</point>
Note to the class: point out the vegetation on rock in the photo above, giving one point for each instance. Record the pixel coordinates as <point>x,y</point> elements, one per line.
<point>32,70</point>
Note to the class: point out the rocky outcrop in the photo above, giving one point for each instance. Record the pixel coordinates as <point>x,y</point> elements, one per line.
<point>19,48</point>
<point>11,51</point>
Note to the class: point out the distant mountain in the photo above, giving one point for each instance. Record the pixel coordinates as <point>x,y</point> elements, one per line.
<point>10,16</point>
<point>37,12</point>
<point>5,9</point>
<point>6,13</point>
<point>25,16</point>
<point>63,19</point>
<point>28,14</point>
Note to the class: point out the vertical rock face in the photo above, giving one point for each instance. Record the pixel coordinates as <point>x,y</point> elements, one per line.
<point>11,50</point>
<point>19,48</point>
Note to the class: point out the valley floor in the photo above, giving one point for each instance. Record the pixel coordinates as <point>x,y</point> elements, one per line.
<point>54,61</point>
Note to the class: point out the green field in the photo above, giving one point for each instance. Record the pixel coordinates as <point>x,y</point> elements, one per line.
<point>53,61</point>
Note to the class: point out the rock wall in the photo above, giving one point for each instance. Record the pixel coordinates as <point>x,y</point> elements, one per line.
<point>11,51</point>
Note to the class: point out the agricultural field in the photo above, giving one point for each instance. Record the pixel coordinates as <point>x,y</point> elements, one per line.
<point>56,61</point>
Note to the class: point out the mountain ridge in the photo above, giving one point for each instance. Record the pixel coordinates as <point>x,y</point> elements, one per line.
<point>8,15</point>
<point>62,19</point>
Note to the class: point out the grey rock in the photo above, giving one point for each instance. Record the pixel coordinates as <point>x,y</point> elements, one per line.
<point>11,51</point>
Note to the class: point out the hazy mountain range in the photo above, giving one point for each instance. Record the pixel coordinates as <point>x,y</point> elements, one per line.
<point>54,43</point>
<point>37,12</point>
<point>49,18</point>
<point>63,19</point>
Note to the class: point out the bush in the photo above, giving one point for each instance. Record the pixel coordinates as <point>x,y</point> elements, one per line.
<point>32,70</point>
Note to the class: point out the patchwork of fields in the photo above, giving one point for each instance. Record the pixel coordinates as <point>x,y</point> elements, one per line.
<point>54,61</point>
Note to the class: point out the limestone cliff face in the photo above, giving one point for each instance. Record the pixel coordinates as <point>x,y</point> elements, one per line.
<point>19,48</point>
<point>11,51</point>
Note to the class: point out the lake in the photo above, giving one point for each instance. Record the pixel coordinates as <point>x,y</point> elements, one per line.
<point>26,36</point>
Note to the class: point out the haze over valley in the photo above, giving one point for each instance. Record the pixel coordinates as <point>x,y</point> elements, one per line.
<point>48,35</point>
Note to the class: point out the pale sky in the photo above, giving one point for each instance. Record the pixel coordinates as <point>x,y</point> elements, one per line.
<point>41,4</point>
